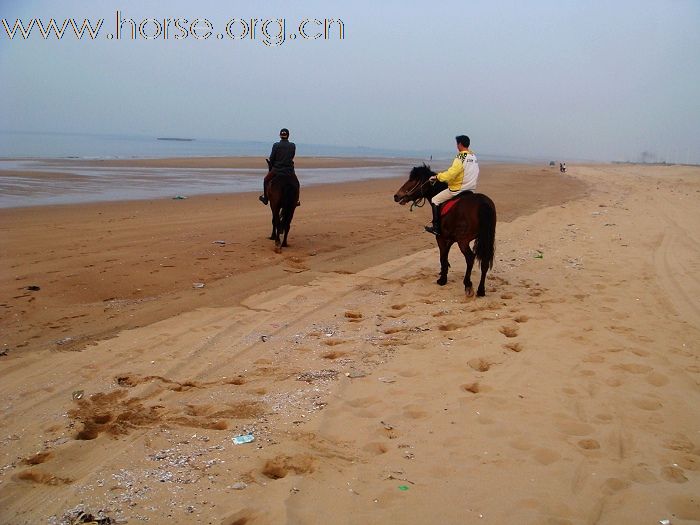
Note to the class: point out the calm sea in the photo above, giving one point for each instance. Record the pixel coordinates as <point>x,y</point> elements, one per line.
<point>70,182</point>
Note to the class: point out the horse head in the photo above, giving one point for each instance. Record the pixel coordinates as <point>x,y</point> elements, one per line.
<point>416,187</point>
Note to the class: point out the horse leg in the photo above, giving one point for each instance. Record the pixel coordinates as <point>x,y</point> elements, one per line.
<point>481,290</point>
<point>276,226</point>
<point>273,235</point>
<point>444,246</point>
<point>469,257</point>
<point>287,225</point>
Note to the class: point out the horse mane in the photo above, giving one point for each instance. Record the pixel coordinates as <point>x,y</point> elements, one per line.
<point>421,172</point>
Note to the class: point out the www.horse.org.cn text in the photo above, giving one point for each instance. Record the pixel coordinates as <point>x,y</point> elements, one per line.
<point>271,32</point>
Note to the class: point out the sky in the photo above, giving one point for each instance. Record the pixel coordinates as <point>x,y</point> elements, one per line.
<point>595,80</point>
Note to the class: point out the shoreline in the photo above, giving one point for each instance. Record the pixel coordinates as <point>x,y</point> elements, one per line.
<point>57,182</point>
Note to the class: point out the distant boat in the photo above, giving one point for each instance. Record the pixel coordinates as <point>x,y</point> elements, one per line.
<point>175,138</point>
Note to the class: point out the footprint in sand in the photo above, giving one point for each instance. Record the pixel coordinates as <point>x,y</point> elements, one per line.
<point>648,404</point>
<point>589,444</point>
<point>673,474</point>
<point>280,466</point>
<point>333,354</point>
<point>545,456</point>
<point>509,331</point>
<point>680,443</point>
<point>414,412</point>
<point>613,485</point>
<point>480,364</point>
<point>474,388</point>
<point>513,347</point>
<point>38,458</point>
<point>354,316</point>
<point>42,478</point>
<point>243,517</point>
<point>642,473</point>
<point>634,368</point>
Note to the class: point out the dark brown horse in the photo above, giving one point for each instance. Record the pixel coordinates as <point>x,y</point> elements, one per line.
<point>283,193</point>
<point>472,218</point>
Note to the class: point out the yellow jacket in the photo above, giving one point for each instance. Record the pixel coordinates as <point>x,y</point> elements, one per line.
<point>463,173</point>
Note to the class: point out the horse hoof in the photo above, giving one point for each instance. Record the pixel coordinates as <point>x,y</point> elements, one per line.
<point>441,281</point>
<point>481,292</point>
<point>285,245</point>
<point>271,237</point>
<point>469,291</point>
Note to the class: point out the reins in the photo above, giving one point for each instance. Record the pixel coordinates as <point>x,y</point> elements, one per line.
<point>420,201</point>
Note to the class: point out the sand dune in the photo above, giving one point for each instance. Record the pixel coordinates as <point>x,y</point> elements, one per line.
<point>568,395</point>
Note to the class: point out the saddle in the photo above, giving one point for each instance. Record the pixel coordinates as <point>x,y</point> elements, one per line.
<point>445,208</point>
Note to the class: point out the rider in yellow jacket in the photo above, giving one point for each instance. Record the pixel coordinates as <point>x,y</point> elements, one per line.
<point>461,176</point>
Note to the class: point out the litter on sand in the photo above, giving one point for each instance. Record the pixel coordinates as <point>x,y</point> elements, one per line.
<point>240,440</point>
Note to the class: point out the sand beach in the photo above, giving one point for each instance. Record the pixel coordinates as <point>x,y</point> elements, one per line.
<point>568,395</point>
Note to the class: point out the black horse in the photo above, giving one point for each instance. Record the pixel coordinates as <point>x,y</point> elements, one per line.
<point>283,193</point>
<point>471,218</point>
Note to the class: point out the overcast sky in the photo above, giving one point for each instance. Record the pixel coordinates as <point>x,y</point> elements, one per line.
<point>580,80</point>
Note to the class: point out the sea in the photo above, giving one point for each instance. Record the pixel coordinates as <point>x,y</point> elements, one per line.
<point>74,182</point>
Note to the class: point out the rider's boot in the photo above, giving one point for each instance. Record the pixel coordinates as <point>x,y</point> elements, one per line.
<point>434,228</point>
<point>263,197</point>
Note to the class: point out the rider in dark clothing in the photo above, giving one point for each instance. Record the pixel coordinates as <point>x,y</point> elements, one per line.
<point>281,162</point>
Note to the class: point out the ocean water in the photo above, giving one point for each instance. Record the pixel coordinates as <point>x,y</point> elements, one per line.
<point>69,183</point>
<point>90,146</point>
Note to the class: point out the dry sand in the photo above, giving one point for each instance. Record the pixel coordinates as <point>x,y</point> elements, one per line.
<point>568,395</point>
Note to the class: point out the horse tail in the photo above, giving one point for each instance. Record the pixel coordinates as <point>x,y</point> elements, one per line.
<point>484,245</point>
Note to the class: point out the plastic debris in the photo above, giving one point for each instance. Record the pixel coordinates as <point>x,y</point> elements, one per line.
<point>197,285</point>
<point>665,522</point>
<point>387,380</point>
<point>539,255</point>
<point>403,487</point>
<point>355,374</point>
<point>239,486</point>
<point>179,198</point>
<point>263,338</point>
<point>219,242</point>
<point>240,440</point>
<point>78,394</point>
<point>33,288</point>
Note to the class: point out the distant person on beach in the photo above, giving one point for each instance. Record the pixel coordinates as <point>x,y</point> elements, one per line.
<point>460,177</point>
<point>562,167</point>
<point>281,162</point>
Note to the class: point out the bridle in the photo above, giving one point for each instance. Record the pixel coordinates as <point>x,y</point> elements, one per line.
<point>419,202</point>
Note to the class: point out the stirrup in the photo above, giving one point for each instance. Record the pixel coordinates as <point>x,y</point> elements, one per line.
<point>431,229</point>
<point>263,199</point>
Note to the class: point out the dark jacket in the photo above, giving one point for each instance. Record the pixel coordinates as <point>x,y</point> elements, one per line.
<point>282,157</point>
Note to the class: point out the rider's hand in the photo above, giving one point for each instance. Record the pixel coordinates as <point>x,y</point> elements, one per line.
<point>433,178</point>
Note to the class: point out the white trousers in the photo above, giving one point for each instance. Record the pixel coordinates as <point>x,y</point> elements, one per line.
<point>444,196</point>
